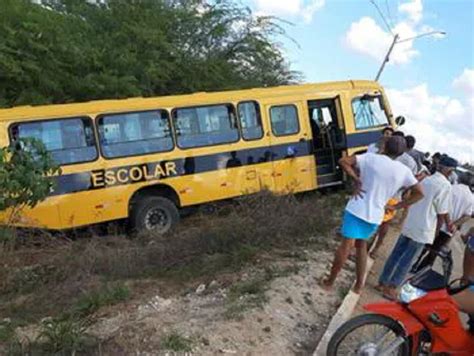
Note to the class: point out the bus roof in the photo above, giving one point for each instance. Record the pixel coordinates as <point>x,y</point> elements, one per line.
<point>137,103</point>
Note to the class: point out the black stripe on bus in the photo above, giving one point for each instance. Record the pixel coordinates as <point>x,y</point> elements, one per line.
<point>154,171</point>
<point>363,138</point>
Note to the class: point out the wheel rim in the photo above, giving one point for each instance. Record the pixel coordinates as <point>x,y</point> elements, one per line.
<point>158,220</point>
<point>369,340</point>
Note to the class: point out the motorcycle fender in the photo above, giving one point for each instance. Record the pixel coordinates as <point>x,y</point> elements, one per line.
<point>399,313</point>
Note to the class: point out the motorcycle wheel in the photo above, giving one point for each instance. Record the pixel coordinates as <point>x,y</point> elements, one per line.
<point>369,335</point>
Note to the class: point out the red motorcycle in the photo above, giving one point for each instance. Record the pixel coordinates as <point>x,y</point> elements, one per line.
<point>424,321</point>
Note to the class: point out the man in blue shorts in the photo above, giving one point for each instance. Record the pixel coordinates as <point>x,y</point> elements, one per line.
<point>377,178</point>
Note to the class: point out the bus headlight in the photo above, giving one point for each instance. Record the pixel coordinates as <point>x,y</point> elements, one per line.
<point>409,293</point>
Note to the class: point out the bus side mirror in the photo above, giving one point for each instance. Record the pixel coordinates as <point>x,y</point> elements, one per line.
<point>400,120</point>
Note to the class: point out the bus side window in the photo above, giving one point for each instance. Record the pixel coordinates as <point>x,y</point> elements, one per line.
<point>205,126</point>
<point>284,120</point>
<point>68,140</point>
<point>250,120</point>
<point>135,133</point>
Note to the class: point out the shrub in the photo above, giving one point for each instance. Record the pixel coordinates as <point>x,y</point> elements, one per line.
<point>26,168</point>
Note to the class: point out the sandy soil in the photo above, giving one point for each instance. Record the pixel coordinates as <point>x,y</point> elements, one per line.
<point>290,321</point>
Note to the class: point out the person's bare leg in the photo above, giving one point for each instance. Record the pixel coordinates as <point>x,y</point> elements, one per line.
<point>361,264</point>
<point>340,257</point>
<point>383,230</point>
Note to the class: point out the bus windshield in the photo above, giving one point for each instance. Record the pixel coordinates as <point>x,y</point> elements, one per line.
<point>369,111</point>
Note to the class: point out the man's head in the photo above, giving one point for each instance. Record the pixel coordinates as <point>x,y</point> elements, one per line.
<point>395,146</point>
<point>447,165</point>
<point>387,132</point>
<point>410,141</point>
<point>398,133</point>
<point>436,157</point>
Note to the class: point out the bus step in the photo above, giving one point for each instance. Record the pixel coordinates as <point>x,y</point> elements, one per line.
<point>323,169</point>
<point>329,179</point>
<point>320,160</point>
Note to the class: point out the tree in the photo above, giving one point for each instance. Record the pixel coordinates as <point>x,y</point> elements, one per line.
<point>26,174</point>
<point>72,50</point>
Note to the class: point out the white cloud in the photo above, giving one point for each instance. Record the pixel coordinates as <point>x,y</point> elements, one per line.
<point>365,36</point>
<point>413,9</point>
<point>465,82</point>
<point>304,9</point>
<point>439,123</point>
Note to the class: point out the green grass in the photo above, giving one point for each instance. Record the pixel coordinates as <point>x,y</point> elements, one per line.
<point>93,301</point>
<point>62,336</point>
<point>7,332</point>
<point>246,295</point>
<point>176,342</point>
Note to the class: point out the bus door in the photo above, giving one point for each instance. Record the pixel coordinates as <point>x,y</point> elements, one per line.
<point>327,128</point>
<point>293,165</point>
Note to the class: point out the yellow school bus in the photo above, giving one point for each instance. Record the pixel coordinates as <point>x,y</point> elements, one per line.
<point>144,159</point>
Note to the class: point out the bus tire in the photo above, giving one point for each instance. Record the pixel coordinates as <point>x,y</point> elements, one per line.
<point>153,214</point>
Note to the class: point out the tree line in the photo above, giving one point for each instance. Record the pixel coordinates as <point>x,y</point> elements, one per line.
<point>74,50</point>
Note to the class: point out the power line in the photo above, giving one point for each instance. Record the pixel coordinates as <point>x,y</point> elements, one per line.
<point>383,17</point>
<point>389,13</point>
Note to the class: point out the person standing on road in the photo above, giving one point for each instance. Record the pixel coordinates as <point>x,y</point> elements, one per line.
<point>377,178</point>
<point>418,156</point>
<point>420,227</point>
<point>461,210</point>
<point>376,146</point>
<point>382,231</point>
<point>405,158</point>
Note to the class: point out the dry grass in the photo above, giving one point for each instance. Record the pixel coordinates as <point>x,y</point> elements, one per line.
<point>48,275</point>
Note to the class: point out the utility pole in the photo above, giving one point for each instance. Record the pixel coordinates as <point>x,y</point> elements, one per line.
<point>387,57</point>
<point>395,41</point>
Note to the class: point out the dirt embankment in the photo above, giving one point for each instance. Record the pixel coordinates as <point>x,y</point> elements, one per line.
<point>243,281</point>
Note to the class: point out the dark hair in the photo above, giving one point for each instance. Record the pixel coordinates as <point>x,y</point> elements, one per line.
<point>388,128</point>
<point>410,141</point>
<point>437,155</point>
<point>398,133</point>
<point>395,146</point>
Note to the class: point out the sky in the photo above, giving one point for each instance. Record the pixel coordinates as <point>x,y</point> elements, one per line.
<point>429,80</point>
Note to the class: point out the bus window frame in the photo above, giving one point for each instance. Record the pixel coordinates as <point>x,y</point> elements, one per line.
<point>101,116</point>
<point>259,113</point>
<point>98,153</point>
<point>237,121</point>
<point>384,108</point>
<point>297,119</point>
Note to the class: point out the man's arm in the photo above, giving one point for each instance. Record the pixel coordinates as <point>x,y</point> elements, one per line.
<point>348,165</point>
<point>444,220</point>
<point>461,220</point>
<point>416,194</point>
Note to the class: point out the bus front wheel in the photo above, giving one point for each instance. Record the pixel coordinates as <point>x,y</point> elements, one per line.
<point>154,214</point>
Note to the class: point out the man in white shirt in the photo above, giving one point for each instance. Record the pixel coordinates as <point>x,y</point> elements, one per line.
<point>376,146</point>
<point>377,178</point>
<point>418,156</point>
<point>461,210</point>
<point>382,232</point>
<point>420,227</point>
<point>405,158</point>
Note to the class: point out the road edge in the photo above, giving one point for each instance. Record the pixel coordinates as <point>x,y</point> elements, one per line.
<point>342,315</point>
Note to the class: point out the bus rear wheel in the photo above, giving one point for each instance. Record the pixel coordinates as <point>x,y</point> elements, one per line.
<point>154,215</point>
